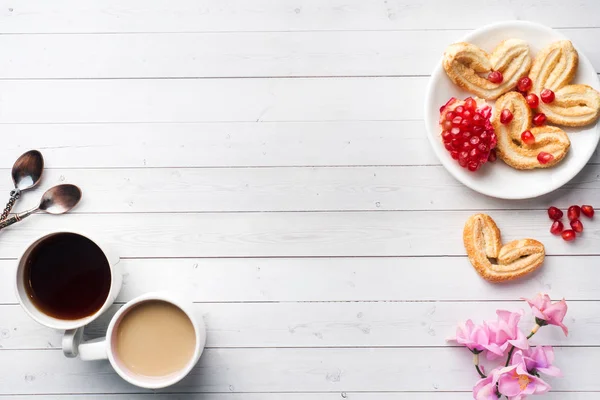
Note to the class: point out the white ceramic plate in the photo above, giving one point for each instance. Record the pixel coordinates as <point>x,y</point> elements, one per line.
<point>498,179</point>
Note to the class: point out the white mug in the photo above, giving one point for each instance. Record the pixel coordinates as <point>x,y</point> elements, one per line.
<point>57,323</point>
<point>104,348</point>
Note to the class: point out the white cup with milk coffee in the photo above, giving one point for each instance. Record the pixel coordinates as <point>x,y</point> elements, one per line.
<point>153,341</point>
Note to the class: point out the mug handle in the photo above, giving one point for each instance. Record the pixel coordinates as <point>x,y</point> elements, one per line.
<point>88,351</point>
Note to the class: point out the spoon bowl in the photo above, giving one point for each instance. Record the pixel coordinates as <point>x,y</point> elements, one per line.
<point>27,170</point>
<point>60,199</point>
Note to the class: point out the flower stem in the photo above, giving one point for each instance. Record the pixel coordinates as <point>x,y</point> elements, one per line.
<point>512,349</point>
<point>510,353</point>
<point>476,363</point>
<point>481,374</point>
<point>533,331</point>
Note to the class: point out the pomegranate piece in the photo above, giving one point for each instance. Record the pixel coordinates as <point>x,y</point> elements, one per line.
<point>573,213</point>
<point>577,225</point>
<point>524,84</point>
<point>544,158</point>
<point>495,77</point>
<point>532,100</point>
<point>587,210</point>
<point>527,137</point>
<point>568,235</point>
<point>539,119</point>
<point>506,116</point>
<point>547,96</point>
<point>554,213</point>
<point>467,133</point>
<point>556,228</point>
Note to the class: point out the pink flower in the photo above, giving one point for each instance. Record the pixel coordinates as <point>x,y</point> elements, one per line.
<point>504,332</point>
<point>539,359</point>
<point>551,313</point>
<point>516,383</point>
<point>475,337</point>
<point>485,389</point>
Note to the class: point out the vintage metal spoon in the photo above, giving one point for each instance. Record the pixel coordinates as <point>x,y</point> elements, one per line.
<point>26,173</point>
<point>57,200</point>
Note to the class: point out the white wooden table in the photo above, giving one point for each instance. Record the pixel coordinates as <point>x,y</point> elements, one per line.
<point>268,158</point>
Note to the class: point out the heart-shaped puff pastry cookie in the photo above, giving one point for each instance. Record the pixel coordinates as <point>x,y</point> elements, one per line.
<point>464,61</point>
<point>554,68</point>
<point>510,147</point>
<point>513,260</point>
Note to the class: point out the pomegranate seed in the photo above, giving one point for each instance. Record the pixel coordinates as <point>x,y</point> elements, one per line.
<point>459,110</point>
<point>539,119</point>
<point>547,96</point>
<point>568,235</point>
<point>473,166</point>
<point>524,84</point>
<point>447,125</point>
<point>577,225</point>
<point>554,213</point>
<point>450,115</point>
<point>527,137</point>
<point>556,228</point>
<point>492,157</point>
<point>545,158</point>
<point>446,136</point>
<point>533,100</point>
<point>470,104</point>
<point>456,120</point>
<point>573,213</point>
<point>452,100</point>
<point>506,116</point>
<point>588,211</point>
<point>454,154</point>
<point>455,131</point>
<point>486,112</point>
<point>495,77</point>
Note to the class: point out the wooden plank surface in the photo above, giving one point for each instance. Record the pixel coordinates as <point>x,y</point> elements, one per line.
<point>295,234</point>
<point>223,144</point>
<point>234,54</point>
<point>268,160</point>
<point>204,100</point>
<point>290,189</point>
<point>339,279</point>
<point>72,16</point>
<point>297,396</point>
<point>285,370</point>
<point>348,324</point>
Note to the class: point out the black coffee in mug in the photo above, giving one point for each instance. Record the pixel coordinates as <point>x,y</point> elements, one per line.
<point>67,276</point>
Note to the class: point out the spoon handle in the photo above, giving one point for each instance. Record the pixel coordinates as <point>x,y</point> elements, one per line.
<point>14,196</point>
<point>16,218</point>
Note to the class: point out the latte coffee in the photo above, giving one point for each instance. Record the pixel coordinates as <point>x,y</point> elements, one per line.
<point>154,338</point>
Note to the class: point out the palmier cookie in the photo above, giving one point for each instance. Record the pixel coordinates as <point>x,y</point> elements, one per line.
<point>464,61</point>
<point>511,261</point>
<point>553,68</point>
<point>512,150</point>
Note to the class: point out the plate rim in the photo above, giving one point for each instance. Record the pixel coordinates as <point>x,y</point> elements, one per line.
<point>555,183</point>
